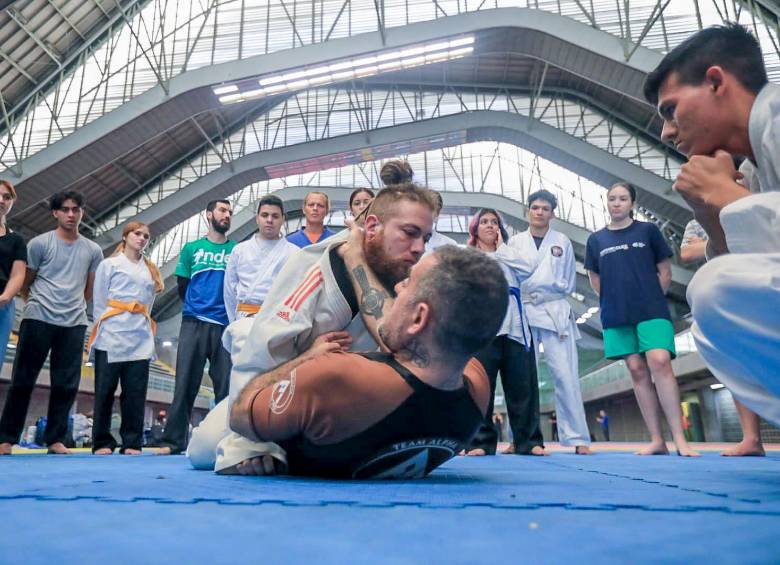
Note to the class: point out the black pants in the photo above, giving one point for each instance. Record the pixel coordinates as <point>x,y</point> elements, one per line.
<point>36,340</point>
<point>134,376</point>
<point>198,341</point>
<point>521,391</point>
<point>605,431</point>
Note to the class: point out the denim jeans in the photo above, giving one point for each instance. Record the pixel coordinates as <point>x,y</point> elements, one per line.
<point>7,314</point>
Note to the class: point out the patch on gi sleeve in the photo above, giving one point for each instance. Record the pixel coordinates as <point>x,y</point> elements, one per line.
<point>282,394</point>
<point>556,250</point>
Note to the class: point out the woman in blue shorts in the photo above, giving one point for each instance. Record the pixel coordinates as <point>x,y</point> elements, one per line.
<point>629,268</point>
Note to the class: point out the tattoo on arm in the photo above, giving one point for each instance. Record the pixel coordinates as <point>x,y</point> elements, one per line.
<point>373,299</point>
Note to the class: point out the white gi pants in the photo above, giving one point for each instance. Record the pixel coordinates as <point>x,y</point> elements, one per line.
<point>561,358</point>
<point>202,449</point>
<point>735,301</point>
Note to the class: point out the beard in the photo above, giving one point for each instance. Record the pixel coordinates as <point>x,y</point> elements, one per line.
<point>220,227</point>
<point>388,270</point>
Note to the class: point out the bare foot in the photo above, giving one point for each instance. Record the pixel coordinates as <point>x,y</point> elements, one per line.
<point>58,448</point>
<point>582,450</point>
<point>744,448</point>
<point>131,451</point>
<point>164,451</point>
<point>103,451</point>
<point>686,451</point>
<point>653,449</point>
<point>5,448</point>
<point>509,450</point>
<point>538,451</point>
<point>478,452</point>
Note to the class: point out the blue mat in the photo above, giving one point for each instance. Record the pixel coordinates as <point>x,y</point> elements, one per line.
<point>611,507</point>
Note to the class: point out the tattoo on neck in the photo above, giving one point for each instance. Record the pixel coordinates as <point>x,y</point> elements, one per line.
<point>373,299</point>
<point>416,354</point>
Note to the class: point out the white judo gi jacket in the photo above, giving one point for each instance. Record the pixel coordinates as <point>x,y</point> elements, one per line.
<point>251,271</point>
<point>735,298</point>
<point>303,303</point>
<point>544,292</point>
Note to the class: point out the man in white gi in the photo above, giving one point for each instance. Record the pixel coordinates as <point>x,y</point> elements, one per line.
<point>714,97</point>
<point>255,263</point>
<point>313,297</point>
<point>549,314</point>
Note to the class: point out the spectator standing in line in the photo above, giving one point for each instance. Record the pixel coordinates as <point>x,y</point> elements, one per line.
<point>550,315</point>
<point>315,207</point>
<point>603,420</point>
<point>692,250</point>
<point>511,353</point>
<point>60,275</point>
<point>359,200</point>
<point>255,263</point>
<point>13,264</point>
<point>437,239</point>
<point>122,341</point>
<point>201,276</point>
<point>629,268</point>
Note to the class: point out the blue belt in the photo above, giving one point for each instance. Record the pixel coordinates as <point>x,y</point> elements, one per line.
<point>514,291</point>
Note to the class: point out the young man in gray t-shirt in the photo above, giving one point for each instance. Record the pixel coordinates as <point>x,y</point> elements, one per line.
<point>61,267</point>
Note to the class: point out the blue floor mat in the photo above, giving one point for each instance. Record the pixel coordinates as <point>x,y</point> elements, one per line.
<point>611,507</point>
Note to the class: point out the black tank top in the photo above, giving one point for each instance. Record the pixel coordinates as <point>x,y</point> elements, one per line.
<point>425,430</point>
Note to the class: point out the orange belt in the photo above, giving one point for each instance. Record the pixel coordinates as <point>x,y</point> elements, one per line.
<point>116,307</point>
<point>248,309</point>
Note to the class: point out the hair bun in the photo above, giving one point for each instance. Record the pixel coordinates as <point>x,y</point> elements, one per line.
<point>397,171</point>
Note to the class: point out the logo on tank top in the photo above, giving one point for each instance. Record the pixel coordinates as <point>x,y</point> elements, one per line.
<point>556,250</point>
<point>282,394</point>
<point>408,460</point>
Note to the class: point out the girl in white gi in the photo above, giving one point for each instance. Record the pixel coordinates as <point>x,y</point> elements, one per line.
<point>628,266</point>
<point>550,317</point>
<point>359,200</point>
<point>122,340</point>
<point>254,263</point>
<point>511,353</point>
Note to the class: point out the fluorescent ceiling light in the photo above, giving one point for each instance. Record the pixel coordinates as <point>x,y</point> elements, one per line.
<point>389,66</point>
<point>167,343</point>
<point>716,386</point>
<point>227,89</point>
<point>343,75</point>
<point>297,85</point>
<point>580,320</point>
<point>461,52</point>
<point>413,62</point>
<point>593,309</point>
<point>462,41</point>
<point>230,98</point>
<point>368,65</point>
<point>320,79</point>
<point>586,315</point>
